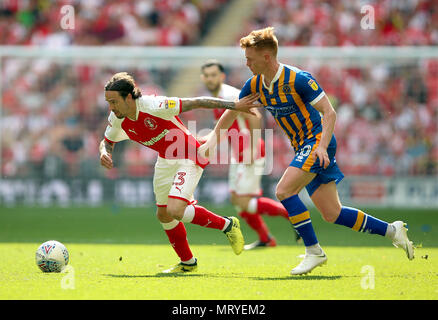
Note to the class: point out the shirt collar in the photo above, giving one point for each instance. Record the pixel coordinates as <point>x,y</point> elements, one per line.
<point>276,77</point>
<point>137,107</point>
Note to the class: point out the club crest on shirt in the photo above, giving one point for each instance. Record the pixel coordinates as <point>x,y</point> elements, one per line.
<point>150,123</point>
<point>313,84</point>
<point>286,89</point>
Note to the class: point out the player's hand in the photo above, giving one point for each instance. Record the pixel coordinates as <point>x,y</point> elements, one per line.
<point>202,139</point>
<point>204,151</point>
<point>247,103</point>
<point>207,148</point>
<point>106,160</point>
<point>321,154</point>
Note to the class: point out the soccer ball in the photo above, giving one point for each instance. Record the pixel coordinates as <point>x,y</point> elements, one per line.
<point>51,256</point>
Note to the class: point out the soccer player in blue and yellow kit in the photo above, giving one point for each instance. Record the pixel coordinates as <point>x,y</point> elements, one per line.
<point>301,108</point>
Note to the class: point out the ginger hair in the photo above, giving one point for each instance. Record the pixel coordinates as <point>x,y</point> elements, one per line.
<point>261,39</point>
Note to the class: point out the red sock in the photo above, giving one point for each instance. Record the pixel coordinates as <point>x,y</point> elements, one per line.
<point>208,219</point>
<point>256,222</point>
<point>271,208</point>
<point>178,239</point>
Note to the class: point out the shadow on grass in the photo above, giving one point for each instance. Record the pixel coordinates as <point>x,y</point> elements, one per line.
<point>304,277</point>
<point>177,275</point>
<point>157,275</point>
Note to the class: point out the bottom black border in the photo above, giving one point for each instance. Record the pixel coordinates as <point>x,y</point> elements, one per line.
<point>220,309</point>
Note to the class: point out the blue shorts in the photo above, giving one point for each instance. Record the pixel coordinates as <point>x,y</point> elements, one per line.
<point>303,160</point>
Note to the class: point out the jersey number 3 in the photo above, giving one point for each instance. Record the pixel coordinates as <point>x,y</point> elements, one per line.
<point>180,177</point>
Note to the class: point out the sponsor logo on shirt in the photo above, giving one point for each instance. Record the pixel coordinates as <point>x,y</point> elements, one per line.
<point>155,139</point>
<point>168,104</point>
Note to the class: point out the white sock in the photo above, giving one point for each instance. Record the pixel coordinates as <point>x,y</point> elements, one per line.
<point>252,206</point>
<point>227,223</point>
<point>191,261</point>
<point>189,214</point>
<point>170,225</point>
<point>390,231</point>
<point>314,250</point>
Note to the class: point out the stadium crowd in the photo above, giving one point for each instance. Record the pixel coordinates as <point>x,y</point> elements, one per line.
<point>109,22</point>
<point>54,114</point>
<point>386,117</point>
<point>338,22</point>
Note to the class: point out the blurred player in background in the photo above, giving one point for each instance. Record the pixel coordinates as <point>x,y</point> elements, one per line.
<point>297,102</point>
<point>153,122</point>
<point>244,178</point>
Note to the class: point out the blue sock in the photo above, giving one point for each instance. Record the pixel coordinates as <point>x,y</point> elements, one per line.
<point>360,221</point>
<point>300,218</point>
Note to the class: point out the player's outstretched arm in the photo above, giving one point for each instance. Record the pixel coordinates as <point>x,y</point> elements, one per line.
<point>219,132</point>
<point>255,127</point>
<point>244,105</point>
<point>106,149</point>
<point>226,120</point>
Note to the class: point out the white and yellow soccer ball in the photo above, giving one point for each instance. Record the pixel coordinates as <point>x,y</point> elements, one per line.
<point>52,256</point>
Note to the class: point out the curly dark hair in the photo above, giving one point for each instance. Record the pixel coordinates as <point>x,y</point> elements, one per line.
<point>123,83</point>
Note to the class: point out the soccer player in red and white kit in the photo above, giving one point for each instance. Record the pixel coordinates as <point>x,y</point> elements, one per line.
<point>245,172</point>
<point>153,122</point>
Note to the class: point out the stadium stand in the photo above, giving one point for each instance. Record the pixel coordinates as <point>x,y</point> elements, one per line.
<point>386,122</point>
<point>53,116</point>
<point>112,22</point>
<point>334,23</point>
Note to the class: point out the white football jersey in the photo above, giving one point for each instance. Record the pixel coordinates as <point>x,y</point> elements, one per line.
<point>157,126</point>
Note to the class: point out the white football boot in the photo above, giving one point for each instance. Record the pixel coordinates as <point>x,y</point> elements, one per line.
<point>401,239</point>
<point>309,263</point>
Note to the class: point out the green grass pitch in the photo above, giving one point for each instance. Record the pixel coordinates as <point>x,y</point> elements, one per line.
<point>118,253</point>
